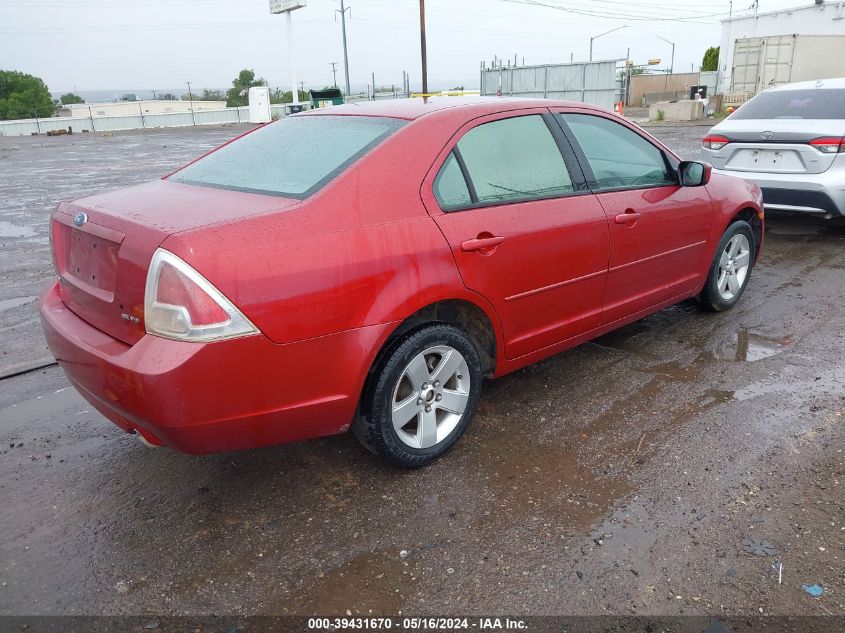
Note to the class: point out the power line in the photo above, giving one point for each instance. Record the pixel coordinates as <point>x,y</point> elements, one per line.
<point>642,10</point>
<point>612,15</point>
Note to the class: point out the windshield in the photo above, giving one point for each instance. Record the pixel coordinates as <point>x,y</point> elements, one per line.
<point>293,157</point>
<point>815,103</point>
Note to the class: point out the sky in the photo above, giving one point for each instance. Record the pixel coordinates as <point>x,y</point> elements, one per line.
<point>93,45</point>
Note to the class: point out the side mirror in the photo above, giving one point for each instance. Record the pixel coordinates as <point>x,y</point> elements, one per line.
<point>693,173</point>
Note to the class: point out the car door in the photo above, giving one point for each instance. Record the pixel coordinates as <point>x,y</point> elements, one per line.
<point>659,230</point>
<point>525,232</point>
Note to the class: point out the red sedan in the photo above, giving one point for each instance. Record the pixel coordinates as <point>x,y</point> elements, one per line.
<point>366,266</point>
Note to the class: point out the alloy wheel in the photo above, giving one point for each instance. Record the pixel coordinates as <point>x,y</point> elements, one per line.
<point>430,397</point>
<point>734,264</point>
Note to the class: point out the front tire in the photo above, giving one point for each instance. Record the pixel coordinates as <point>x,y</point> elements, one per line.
<point>423,396</point>
<point>730,270</point>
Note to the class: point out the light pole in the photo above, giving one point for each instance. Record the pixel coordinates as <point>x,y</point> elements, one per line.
<point>287,7</point>
<point>595,37</point>
<point>343,10</point>
<point>292,58</point>
<point>672,62</point>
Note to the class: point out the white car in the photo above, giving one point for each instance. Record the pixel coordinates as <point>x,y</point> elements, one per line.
<point>790,140</point>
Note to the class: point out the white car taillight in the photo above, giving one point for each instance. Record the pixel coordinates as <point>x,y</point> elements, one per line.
<point>714,141</point>
<point>181,304</point>
<point>829,145</point>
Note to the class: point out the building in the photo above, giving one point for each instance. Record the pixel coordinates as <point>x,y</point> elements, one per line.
<point>133,108</point>
<point>821,18</point>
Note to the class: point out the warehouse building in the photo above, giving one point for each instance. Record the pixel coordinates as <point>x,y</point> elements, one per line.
<point>133,108</point>
<point>766,49</point>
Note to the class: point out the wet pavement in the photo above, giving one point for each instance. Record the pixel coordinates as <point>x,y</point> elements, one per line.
<point>620,477</point>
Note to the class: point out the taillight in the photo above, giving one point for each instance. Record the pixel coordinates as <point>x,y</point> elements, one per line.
<point>179,303</point>
<point>829,144</point>
<point>714,141</point>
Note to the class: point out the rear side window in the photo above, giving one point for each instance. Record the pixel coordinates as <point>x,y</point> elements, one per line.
<point>514,159</point>
<point>618,156</point>
<point>293,157</point>
<point>450,187</point>
<point>818,103</point>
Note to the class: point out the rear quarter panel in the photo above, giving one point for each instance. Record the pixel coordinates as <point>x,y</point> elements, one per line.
<point>362,251</point>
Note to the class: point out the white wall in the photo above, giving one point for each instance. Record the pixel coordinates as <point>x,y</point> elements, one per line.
<point>131,108</point>
<point>825,19</point>
<point>25,127</point>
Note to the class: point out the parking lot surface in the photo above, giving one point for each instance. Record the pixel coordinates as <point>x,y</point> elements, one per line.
<point>621,477</point>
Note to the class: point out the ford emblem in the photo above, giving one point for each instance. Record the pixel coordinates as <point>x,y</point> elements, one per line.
<point>768,134</point>
<point>80,218</point>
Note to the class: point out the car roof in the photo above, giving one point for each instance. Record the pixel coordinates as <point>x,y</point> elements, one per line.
<point>416,107</point>
<point>838,82</point>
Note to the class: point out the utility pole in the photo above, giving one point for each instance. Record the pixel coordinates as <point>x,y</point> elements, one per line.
<point>422,49</point>
<point>343,10</point>
<point>334,73</point>
<point>191,99</point>
<point>374,86</point>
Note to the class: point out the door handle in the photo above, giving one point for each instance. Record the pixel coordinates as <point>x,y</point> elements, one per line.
<point>481,243</point>
<point>629,217</point>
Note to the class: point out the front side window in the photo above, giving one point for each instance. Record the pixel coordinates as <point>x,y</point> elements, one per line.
<point>618,156</point>
<point>514,159</point>
<point>293,157</point>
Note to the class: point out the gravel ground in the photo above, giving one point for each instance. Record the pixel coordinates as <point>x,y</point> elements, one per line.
<point>620,477</point>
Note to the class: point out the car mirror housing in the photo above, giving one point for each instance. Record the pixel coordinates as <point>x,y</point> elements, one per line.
<point>693,173</point>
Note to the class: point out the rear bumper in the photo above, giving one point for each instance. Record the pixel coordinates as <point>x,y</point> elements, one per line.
<point>806,193</point>
<point>210,397</point>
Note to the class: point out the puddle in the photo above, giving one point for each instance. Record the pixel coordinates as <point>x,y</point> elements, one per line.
<point>377,581</point>
<point>15,302</point>
<point>748,346</point>
<point>7,229</point>
<point>525,478</point>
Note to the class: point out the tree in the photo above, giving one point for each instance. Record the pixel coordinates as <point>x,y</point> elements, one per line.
<point>212,95</point>
<point>23,96</point>
<point>237,95</point>
<point>69,98</point>
<point>286,96</point>
<point>711,59</point>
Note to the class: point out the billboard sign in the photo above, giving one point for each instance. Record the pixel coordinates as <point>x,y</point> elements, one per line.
<point>283,6</point>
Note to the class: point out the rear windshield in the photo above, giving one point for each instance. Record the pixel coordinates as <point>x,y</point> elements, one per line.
<point>816,103</point>
<point>293,157</point>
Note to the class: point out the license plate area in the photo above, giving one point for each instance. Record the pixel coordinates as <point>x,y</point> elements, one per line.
<point>87,257</point>
<point>778,160</point>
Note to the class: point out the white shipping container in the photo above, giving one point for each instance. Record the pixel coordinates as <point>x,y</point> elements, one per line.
<point>763,62</point>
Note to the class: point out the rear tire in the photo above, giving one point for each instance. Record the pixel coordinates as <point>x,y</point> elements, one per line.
<point>422,396</point>
<point>730,270</point>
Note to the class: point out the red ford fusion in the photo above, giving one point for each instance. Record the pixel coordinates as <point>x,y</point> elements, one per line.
<point>365,266</point>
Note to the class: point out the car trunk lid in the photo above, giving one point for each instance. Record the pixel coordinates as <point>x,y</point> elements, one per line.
<point>776,145</point>
<point>102,245</point>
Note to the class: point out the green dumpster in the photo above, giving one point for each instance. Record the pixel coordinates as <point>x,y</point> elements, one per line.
<point>326,98</point>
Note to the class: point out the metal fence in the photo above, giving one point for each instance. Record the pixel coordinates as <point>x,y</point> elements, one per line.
<point>25,127</point>
<point>589,82</point>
